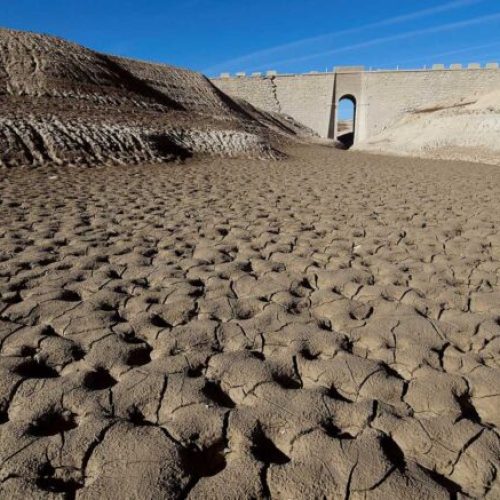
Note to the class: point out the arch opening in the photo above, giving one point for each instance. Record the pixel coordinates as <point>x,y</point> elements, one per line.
<point>346,120</point>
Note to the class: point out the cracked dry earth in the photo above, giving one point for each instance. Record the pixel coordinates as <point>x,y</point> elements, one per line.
<point>322,327</point>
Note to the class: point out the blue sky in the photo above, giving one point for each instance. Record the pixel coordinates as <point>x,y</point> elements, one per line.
<point>285,35</point>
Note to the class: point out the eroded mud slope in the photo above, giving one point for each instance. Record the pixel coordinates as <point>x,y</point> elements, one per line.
<point>464,130</point>
<point>63,103</point>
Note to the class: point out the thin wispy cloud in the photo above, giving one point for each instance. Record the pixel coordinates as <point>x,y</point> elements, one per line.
<point>258,56</point>
<point>393,38</point>
<point>435,56</point>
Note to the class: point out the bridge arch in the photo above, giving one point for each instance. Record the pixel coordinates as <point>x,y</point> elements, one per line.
<point>345,119</point>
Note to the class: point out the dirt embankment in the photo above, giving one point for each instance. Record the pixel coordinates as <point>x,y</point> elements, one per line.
<point>466,130</point>
<point>62,103</point>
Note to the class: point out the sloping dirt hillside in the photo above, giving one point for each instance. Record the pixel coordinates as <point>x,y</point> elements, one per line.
<point>466,130</point>
<point>63,103</point>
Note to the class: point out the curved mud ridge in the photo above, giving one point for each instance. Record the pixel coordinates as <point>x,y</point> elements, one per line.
<point>51,141</point>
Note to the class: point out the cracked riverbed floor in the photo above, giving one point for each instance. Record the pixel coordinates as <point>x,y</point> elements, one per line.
<point>326,326</point>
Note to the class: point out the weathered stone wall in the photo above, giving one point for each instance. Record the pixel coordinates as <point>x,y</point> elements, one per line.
<point>307,98</point>
<point>382,97</point>
<point>257,91</point>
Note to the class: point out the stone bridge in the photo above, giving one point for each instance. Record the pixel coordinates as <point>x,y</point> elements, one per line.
<point>380,97</point>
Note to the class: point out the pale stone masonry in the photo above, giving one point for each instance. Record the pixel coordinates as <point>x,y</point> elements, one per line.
<point>381,97</point>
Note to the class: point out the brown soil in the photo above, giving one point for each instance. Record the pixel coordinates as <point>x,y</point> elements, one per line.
<point>64,104</point>
<point>321,327</point>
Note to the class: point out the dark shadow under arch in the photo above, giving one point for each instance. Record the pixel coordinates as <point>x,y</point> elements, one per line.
<point>345,132</point>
